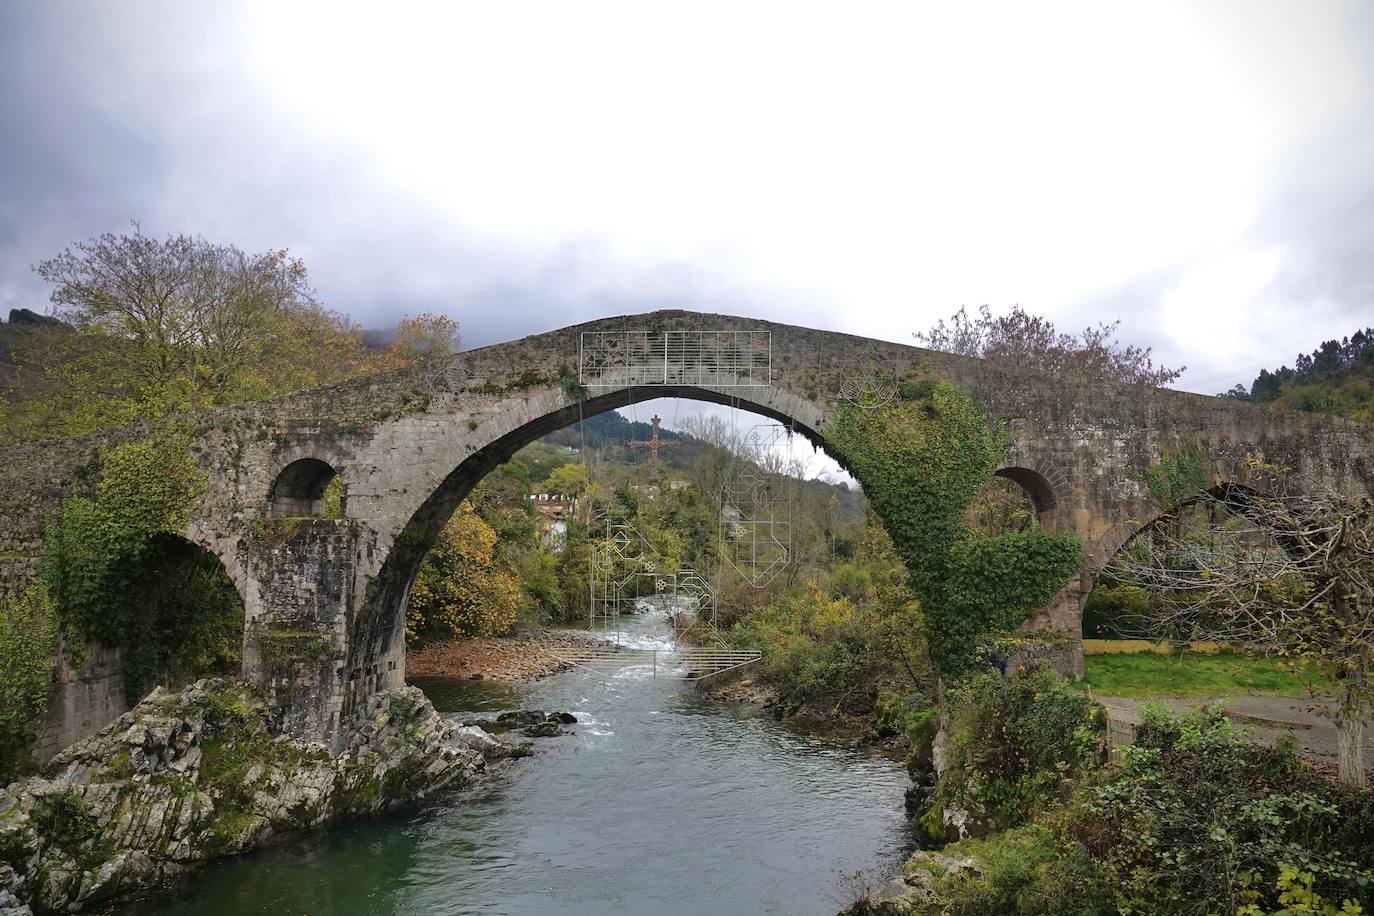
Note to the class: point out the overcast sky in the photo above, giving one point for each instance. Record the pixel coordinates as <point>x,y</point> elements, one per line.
<point>1203,171</point>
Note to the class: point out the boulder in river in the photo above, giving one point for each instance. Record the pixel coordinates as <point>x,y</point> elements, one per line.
<point>520,718</point>
<point>542,730</point>
<point>563,718</point>
<point>488,726</point>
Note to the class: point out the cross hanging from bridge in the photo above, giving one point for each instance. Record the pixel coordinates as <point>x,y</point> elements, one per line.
<point>653,444</point>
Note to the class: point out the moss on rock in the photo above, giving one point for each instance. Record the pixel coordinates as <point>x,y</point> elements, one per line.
<point>190,776</point>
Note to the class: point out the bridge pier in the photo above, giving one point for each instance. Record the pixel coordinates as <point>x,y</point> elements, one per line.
<point>299,597</point>
<point>1063,616</point>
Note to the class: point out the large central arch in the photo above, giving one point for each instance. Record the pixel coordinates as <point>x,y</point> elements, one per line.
<point>378,631</point>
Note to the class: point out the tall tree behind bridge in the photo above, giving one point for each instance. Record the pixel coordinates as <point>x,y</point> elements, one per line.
<point>177,323</point>
<point>1030,340</point>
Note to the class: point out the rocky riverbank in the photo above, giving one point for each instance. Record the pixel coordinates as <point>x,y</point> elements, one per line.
<point>190,776</point>
<point>816,721</point>
<point>504,659</point>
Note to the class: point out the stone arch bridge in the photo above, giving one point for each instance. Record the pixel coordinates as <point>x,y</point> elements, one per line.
<point>325,597</point>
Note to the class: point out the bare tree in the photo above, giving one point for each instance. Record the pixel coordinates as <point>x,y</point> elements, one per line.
<point>1031,340</point>
<point>1290,571</point>
<point>712,463</point>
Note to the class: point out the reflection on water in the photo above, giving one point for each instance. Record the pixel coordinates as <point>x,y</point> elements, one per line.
<point>662,802</point>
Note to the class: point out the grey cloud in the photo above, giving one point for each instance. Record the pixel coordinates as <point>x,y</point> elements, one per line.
<point>141,111</point>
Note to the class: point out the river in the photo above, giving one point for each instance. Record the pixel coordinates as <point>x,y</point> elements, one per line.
<point>662,801</point>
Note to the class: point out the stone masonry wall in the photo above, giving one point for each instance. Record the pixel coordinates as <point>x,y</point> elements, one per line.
<point>83,698</point>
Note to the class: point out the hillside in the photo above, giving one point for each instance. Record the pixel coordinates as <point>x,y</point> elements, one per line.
<point>608,433</point>
<point>1337,378</point>
<point>26,342</point>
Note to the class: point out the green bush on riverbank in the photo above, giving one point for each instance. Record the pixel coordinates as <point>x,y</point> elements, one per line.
<point>1194,820</point>
<point>1015,745</point>
<point>839,644</point>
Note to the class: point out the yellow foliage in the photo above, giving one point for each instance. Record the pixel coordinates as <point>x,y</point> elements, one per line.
<point>461,589</point>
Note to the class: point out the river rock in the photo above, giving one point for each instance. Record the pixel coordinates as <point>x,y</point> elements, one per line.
<point>913,892</point>
<point>196,774</point>
<point>487,725</point>
<point>564,718</point>
<point>520,718</point>
<point>542,730</point>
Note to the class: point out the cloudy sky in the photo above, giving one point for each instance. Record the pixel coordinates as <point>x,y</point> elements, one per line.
<point>1203,171</point>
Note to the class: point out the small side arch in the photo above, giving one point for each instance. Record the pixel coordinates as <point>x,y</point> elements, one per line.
<point>1039,487</point>
<point>307,487</point>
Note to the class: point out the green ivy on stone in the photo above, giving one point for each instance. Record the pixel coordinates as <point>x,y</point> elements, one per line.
<point>118,572</point>
<point>28,638</point>
<point>1178,476</point>
<point>922,460</point>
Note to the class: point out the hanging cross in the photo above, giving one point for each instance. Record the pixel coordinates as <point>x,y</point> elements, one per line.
<point>653,444</point>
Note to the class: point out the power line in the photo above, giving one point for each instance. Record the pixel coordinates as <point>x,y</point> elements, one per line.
<point>1235,372</point>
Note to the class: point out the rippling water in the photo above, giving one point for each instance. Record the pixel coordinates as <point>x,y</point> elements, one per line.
<point>663,801</point>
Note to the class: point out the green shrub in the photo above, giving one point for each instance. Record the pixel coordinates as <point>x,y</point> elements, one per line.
<point>1016,745</point>
<point>28,639</point>
<point>1027,871</point>
<point>64,817</point>
<point>829,650</point>
<point>1200,820</point>
<point>1197,820</point>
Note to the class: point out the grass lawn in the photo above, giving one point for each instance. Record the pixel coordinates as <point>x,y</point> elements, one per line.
<point>1147,674</point>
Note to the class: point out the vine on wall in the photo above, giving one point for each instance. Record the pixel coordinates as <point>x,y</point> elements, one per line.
<point>117,570</point>
<point>922,459</point>
<point>1178,475</point>
<point>28,638</point>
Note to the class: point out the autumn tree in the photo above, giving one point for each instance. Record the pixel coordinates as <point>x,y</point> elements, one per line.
<point>175,323</point>
<point>1030,340</point>
<point>574,481</point>
<point>570,480</point>
<point>425,336</point>
<point>1270,566</point>
<point>462,589</point>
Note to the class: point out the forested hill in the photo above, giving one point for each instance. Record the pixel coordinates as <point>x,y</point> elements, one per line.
<point>1336,378</point>
<point>609,432</point>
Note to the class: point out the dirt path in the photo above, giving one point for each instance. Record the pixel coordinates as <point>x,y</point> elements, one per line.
<point>1267,718</point>
<point>499,658</point>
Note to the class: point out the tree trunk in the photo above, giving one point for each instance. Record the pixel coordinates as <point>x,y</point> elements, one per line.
<point>1350,750</point>
<point>1350,730</point>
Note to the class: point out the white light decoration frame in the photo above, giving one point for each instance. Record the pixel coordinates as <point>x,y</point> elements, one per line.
<point>445,374</point>
<point>625,556</point>
<point>871,384</point>
<point>716,359</point>
<point>615,561</point>
<point>756,511</point>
